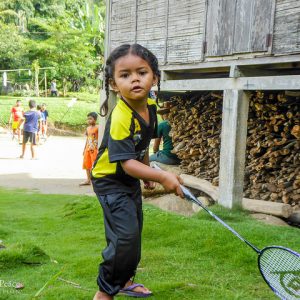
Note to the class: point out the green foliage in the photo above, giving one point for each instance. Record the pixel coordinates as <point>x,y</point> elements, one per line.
<point>59,113</point>
<point>66,35</point>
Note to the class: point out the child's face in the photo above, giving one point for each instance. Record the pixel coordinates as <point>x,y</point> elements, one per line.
<point>133,77</point>
<point>91,121</point>
<point>19,103</point>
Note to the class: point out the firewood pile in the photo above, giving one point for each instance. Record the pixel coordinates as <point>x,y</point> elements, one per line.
<point>273,143</point>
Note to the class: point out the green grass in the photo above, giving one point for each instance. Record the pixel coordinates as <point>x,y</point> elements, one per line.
<point>57,107</point>
<point>183,258</point>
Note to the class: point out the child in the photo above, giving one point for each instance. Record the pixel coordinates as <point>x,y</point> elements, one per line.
<point>31,125</point>
<point>122,160</point>
<point>45,115</point>
<point>91,146</point>
<point>165,155</point>
<point>15,118</point>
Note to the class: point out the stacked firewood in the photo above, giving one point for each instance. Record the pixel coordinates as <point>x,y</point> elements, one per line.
<point>273,148</point>
<point>196,127</point>
<point>273,143</point>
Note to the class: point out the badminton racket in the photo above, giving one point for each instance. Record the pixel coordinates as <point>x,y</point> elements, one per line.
<point>279,266</point>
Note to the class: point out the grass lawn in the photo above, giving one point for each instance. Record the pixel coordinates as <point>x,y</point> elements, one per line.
<point>57,108</point>
<point>183,258</point>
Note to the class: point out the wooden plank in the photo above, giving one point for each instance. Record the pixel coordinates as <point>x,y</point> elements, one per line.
<point>261,24</point>
<point>151,26</point>
<point>122,22</point>
<point>287,27</point>
<point>220,27</point>
<point>242,30</point>
<point>186,23</point>
<point>239,62</point>
<point>291,82</point>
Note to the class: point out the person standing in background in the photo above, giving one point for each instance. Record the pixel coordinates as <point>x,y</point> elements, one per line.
<point>91,146</point>
<point>15,117</point>
<point>53,88</point>
<point>31,121</point>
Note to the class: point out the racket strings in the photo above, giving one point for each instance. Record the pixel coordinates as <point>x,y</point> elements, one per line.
<point>280,268</point>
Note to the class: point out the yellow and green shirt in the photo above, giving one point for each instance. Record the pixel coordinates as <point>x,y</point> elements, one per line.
<point>126,136</point>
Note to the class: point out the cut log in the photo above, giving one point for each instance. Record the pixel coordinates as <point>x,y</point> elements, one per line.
<point>267,207</point>
<point>201,185</point>
<point>259,206</point>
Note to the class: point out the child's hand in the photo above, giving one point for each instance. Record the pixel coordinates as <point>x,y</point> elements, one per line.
<point>149,185</point>
<point>171,183</point>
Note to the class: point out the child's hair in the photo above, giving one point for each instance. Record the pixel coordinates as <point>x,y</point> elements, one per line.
<point>93,114</point>
<point>119,52</point>
<point>32,104</point>
<point>38,107</point>
<point>18,101</point>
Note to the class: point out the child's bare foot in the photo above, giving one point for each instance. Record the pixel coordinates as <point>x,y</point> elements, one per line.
<point>85,183</point>
<point>21,156</point>
<point>102,296</point>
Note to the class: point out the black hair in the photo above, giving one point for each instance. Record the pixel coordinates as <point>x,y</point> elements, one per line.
<point>93,114</point>
<point>38,107</point>
<point>31,104</point>
<point>18,101</point>
<point>119,52</point>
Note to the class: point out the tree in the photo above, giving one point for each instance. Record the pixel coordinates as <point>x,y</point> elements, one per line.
<point>65,34</point>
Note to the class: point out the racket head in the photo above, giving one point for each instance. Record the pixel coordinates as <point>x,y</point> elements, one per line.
<point>280,268</point>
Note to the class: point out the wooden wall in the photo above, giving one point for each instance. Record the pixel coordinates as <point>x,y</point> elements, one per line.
<point>183,32</point>
<point>240,26</point>
<point>287,27</point>
<point>186,26</point>
<point>172,29</point>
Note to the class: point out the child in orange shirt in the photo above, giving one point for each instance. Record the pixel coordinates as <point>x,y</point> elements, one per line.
<point>91,146</point>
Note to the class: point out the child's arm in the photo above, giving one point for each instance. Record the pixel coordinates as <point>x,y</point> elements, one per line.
<point>156,144</point>
<point>169,181</point>
<point>148,184</point>
<point>85,143</point>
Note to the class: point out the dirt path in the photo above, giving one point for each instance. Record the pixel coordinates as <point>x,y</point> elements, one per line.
<point>58,169</point>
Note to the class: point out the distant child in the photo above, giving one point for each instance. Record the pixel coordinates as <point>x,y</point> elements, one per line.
<point>91,146</point>
<point>31,121</point>
<point>123,159</point>
<point>45,115</point>
<point>15,117</point>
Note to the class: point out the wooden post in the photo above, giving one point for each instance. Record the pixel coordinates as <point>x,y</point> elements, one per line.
<point>233,147</point>
<point>36,82</point>
<point>45,76</point>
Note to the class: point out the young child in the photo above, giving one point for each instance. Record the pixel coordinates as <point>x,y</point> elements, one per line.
<point>31,125</point>
<point>123,159</point>
<point>91,146</point>
<point>45,115</point>
<point>15,118</point>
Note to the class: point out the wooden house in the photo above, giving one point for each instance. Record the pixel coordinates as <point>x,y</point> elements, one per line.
<point>229,45</point>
